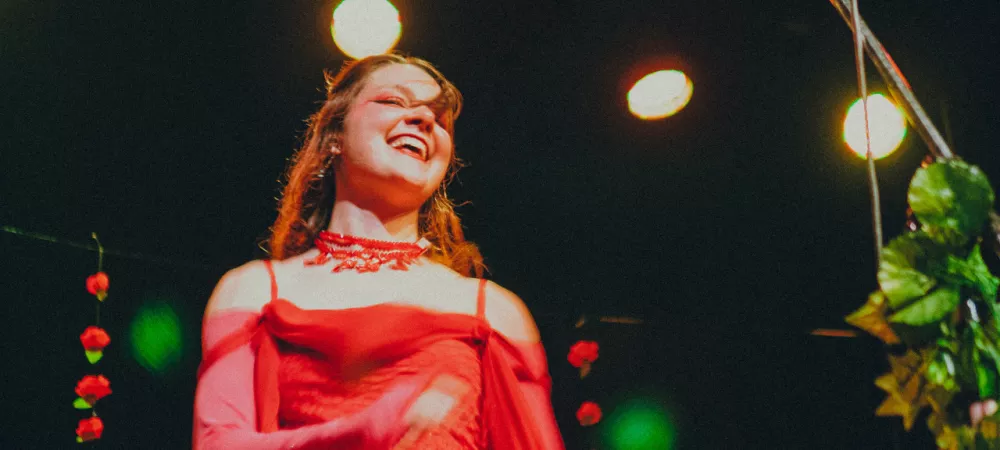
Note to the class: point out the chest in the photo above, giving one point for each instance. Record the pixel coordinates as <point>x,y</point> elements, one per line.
<point>318,288</point>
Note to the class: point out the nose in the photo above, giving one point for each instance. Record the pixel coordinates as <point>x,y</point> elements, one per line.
<point>422,117</point>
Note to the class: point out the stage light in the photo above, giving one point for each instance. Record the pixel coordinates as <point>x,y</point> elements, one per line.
<point>363,28</point>
<point>886,123</point>
<point>640,424</point>
<point>660,94</point>
<point>156,340</point>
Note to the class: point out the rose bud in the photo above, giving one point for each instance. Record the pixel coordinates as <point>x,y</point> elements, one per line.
<point>89,429</point>
<point>97,284</point>
<point>93,388</point>
<point>588,414</point>
<point>583,352</point>
<point>94,339</point>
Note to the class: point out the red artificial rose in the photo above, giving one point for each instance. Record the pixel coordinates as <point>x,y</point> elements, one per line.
<point>97,284</point>
<point>93,388</point>
<point>588,414</point>
<point>95,339</point>
<point>583,352</point>
<point>89,429</point>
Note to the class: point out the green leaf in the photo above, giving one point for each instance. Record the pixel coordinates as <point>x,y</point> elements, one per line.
<point>986,378</point>
<point>899,273</point>
<point>973,272</point>
<point>941,371</point>
<point>987,359</point>
<point>953,195</point>
<point>94,356</point>
<point>947,237</point>
<point>80,403</point>
<point>79,440</point>
<point>930,308</point>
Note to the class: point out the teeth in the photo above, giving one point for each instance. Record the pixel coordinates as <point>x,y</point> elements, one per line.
<point>412,144</point>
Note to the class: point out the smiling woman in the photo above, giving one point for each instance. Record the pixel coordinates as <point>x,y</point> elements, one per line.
<point>371,86</point>
<point>382,334</point>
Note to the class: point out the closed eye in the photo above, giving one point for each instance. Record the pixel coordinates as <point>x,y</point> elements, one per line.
<point>391,101</point>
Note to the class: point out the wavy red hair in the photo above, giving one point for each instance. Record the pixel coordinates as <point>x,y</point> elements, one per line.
<point>308,195</point>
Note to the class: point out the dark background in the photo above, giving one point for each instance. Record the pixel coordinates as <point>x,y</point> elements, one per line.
<point>732,229</point>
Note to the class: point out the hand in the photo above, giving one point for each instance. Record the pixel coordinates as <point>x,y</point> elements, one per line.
<point>980,410</point>
<point>379,426</point>
<point>432,407</point>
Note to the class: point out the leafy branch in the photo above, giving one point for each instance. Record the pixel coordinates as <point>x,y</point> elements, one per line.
<point>937,309</point>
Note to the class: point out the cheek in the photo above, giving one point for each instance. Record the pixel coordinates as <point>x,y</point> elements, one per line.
<point>444,142</point>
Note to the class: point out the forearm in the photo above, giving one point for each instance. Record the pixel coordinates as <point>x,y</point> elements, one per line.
<point>339,434</point>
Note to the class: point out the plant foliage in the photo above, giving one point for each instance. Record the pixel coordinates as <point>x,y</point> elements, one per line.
<point>936,307</point>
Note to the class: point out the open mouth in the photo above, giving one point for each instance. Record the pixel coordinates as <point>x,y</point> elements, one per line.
<point>411,145</point>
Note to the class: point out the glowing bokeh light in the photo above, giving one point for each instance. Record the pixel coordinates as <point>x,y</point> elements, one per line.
<point>641,424</point>
<point>887,125</point>
<point>660,94</point>
<point>363,28</point>
<point>156,339</point>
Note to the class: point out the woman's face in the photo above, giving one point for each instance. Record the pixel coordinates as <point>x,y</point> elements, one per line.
<point>393,146</point>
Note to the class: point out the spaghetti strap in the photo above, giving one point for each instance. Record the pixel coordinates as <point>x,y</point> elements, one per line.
<point>274,281</point>
<point>481,300</point>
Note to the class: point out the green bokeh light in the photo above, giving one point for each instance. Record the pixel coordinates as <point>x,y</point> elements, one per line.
<point>640,424</point>
<point>157,341</point>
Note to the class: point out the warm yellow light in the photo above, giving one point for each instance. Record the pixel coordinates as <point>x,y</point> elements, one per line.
<point>886,123</point>
<point>365,27</point>
<point>660,94</point>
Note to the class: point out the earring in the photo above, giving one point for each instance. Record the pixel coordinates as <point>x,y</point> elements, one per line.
<point>326,166</point>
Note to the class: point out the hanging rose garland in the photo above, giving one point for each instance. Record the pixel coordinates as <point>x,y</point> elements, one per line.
<point>94,339</point>
<point>582,355</point>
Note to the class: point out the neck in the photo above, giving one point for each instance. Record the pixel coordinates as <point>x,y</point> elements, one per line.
<point>351,219</point>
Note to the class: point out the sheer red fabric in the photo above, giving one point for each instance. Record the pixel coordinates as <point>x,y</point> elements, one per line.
<point>316,366</point>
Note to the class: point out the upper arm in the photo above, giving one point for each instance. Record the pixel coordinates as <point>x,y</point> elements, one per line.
<point>507,314</point>
<point>245,289</point>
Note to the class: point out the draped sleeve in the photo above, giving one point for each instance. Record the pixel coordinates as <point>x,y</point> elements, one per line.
<point>226,409</point>
<point>517,403</point>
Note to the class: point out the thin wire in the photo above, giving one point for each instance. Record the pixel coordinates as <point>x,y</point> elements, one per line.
<point>100,252</point>
<point>859,62</point>
<point>100,268</point>
<point>91,247</point>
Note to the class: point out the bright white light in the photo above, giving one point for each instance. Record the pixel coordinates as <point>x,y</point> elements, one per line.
<point>660,94</point>
<point>886,123</point>
<point>365,27</point>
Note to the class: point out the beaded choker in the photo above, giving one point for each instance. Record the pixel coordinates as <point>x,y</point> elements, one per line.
<point>365,255</point>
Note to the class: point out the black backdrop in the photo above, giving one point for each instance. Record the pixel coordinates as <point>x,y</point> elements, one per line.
<point>732,229</point>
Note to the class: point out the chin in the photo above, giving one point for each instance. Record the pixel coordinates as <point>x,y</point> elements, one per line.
<point>408,192</point>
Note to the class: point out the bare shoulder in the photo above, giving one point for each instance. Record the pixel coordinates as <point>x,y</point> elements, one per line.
<point>247,287</point>
<point>507,314</point>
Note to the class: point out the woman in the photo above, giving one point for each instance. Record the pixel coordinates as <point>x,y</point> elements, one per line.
<point>365,330</point>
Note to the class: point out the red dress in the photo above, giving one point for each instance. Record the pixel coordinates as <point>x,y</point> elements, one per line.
<point>314,366</point>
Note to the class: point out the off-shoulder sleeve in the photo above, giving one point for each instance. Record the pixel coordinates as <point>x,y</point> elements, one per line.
<point>536,385</point>
<point>517,397</point>
<point>225,408</point>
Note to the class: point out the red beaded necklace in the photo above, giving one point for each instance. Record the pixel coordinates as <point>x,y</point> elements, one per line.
<point>363,254</point>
